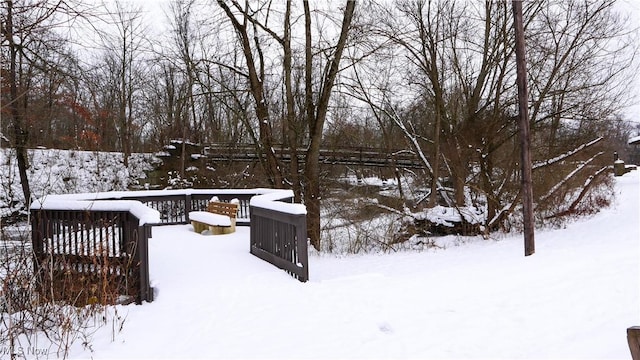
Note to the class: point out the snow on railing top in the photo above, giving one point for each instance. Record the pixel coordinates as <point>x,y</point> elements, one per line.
<point>270,200</point>
<point>265,198</point>
<point>634,140</point>
<point>145,214</point>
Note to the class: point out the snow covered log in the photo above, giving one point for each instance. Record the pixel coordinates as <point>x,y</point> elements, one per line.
<point>442,220</point>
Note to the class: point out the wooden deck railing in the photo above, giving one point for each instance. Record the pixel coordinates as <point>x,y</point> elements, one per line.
<point>174,208</point>
<point>89,256</point>
<point>87,250</point>
<point>279,233</point>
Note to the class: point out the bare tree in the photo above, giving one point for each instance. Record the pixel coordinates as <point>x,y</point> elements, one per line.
<point>243,25</point>
<point>317,93</point>
<point>316,110</point>
<point>455,103</point>
<point>123,59</point>
<point>27,39</point>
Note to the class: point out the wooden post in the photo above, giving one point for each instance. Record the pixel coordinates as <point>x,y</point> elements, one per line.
<point>618,168</point>
<point>633,337</point>
<point>187,207</point>
<point>523,125</point>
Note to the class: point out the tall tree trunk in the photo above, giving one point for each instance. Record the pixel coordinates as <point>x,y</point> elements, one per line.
<point>316,122</point>
<point>433,197</point>
<point>486,171</point>
<point>290,133</point>
<point>20,133</point>
<point>271,164</point>
<point>122,111</point>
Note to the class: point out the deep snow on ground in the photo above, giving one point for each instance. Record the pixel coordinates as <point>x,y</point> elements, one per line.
<point>573,299</point>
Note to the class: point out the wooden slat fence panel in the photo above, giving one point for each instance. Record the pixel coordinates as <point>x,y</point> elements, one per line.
<point>280,239</point>
<point>84,257</point>
<point>200,202</point>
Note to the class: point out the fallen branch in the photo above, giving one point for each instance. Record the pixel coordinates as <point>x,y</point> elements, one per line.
<point>587,185</point>
<point>568,177</point>
<point>561,157</point>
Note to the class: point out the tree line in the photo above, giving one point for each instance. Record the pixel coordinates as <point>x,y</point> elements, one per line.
<point>435,77</point>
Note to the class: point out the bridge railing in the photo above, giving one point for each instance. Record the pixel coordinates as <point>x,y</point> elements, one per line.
<point>365,156</point>
<point>174,205</point>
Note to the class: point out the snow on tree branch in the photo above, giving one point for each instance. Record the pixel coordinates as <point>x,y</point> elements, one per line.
<point>561,157</point>
<point>569,176</point>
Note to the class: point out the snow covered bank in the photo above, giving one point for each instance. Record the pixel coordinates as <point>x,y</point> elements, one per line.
<point>67,171</point>
<point>573,299</point>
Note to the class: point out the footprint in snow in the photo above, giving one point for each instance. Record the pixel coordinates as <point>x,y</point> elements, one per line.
<point>385,328</point>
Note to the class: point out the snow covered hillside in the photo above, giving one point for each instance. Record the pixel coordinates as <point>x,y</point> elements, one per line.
<point>573,299</point>
<point>67,171</point>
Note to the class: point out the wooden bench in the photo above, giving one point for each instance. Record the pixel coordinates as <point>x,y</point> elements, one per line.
<point>220,218</point>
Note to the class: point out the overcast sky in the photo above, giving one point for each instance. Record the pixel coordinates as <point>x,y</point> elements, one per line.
<point>156,9</point>
<point>632,8</point>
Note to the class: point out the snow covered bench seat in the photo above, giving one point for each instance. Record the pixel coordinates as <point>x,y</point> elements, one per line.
<point>204,220</point>
<point>220,218</point>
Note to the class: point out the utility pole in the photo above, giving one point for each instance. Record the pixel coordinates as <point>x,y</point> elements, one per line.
<point>523,125</point>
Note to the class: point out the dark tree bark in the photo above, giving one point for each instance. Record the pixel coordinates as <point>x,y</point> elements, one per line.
<point>20,132</point>
<point>256,81</point>
<point>316,118</point>
<point>314,110</point>
<point>291,128</point>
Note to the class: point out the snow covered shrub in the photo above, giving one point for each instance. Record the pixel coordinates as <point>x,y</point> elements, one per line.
<point>358,225</point>
<point>597,194</point>
<point>175,181</point>
<point>34,327</point>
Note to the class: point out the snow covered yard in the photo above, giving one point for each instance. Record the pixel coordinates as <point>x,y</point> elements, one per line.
<point>573,299</point>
